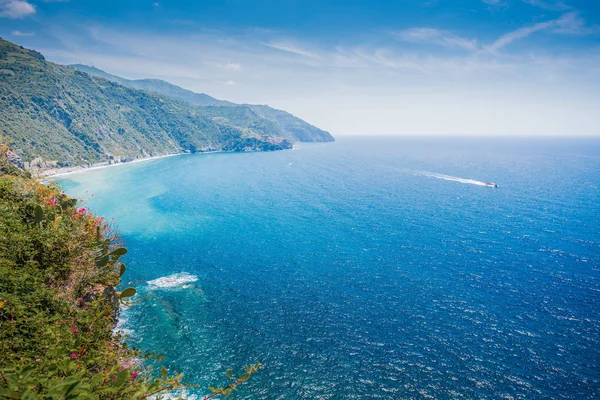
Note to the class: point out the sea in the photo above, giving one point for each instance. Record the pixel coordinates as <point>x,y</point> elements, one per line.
<point>369,268</point>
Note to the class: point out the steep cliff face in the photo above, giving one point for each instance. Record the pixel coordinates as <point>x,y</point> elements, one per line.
<point>57,113</point>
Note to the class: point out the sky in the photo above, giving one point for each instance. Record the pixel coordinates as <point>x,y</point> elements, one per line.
<point>419,67</point>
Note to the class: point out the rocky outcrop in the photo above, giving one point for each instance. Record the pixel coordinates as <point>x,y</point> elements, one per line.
<point>14,159</point>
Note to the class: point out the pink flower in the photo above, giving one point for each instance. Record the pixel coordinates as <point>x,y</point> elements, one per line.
<point>80,299</point>
<point>52,201</point>
<point>73,355</point>
<point>74,330</point>
<point>122,368</point>
<point>134,375</point>
<point>81,210</point>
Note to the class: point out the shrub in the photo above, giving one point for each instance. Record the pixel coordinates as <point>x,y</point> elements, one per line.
<point>59,266</point>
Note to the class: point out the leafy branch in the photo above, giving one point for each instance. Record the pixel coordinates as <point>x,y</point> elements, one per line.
<point>232,387</point>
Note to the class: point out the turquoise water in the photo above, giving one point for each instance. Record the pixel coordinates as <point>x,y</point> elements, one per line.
<point>354,270</point>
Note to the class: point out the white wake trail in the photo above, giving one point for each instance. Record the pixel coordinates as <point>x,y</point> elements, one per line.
<point>451,178</point>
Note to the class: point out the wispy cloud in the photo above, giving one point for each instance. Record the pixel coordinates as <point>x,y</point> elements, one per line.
<point>232,66</point>
<point>216,56</point>
<point>571,23</point>
<point>15,9</point>
<point>496,3</point>
<point>544,4</point>
<point>20,33</point>
<point>292,48</point>
<point>435,36</point>
<point>567,23</point>
<point>548,5</point>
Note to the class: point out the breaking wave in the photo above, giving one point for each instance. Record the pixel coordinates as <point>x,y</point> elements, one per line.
<point>181,280</point>
<point>121,326</point>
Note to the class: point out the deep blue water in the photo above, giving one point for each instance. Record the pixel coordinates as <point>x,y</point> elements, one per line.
<point>352,272</point>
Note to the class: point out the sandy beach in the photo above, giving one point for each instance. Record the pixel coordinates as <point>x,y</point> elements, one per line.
<point>55,172</point>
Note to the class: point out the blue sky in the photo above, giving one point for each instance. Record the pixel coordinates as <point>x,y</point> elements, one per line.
<point>425,67</point>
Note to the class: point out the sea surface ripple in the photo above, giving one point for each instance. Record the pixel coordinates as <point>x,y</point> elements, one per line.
<point>350,276</point>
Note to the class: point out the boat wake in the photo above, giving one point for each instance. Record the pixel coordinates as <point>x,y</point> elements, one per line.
<point>182,280</point>
<point>456,179</point>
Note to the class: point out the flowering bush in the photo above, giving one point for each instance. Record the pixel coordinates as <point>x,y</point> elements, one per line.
<point>59,265</point>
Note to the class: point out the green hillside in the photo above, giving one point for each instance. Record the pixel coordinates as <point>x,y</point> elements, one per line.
<point>59,114</point>
<point>285,123</point>
<point>292,125</point>
<point>155,86</point>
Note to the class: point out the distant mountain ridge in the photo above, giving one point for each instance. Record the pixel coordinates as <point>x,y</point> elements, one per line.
<point>155,86</point>
<point>64,116</point>
<point>286,122</point>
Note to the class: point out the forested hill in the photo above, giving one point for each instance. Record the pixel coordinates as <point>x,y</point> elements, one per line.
<point>248,114</point>
<point>62,115</point>
<point>155,86</point>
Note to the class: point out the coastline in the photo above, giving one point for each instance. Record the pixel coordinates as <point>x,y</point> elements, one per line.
<point>50,173</point>
<point>56,172</point>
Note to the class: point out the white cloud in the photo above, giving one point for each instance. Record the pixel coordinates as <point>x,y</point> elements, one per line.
<point>19,33</point>
<point>545,4</point>
<point>548,5</point>
<point>15,9</point>
<point>230,83</point>
<point>291,48</point>
<point>567,23</point>
<point>435,36</point>
<point>496,3</point>
<point>572,23</point>
<point>233,66</point>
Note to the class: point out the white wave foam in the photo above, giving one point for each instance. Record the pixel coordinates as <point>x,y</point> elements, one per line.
<point>451,178</point>
<point>121,326</point>
<point>181,280</point>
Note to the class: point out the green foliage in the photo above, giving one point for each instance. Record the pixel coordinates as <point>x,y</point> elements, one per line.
<point>121,251</point>
<point>228,390</point>
<point>56,308</point>
<point>129,292</point>
<point>38,215</point>
<point>155,86</point>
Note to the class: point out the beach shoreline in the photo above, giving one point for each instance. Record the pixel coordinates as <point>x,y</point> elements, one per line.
<point>60,172</point>
<point>50,173</point>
